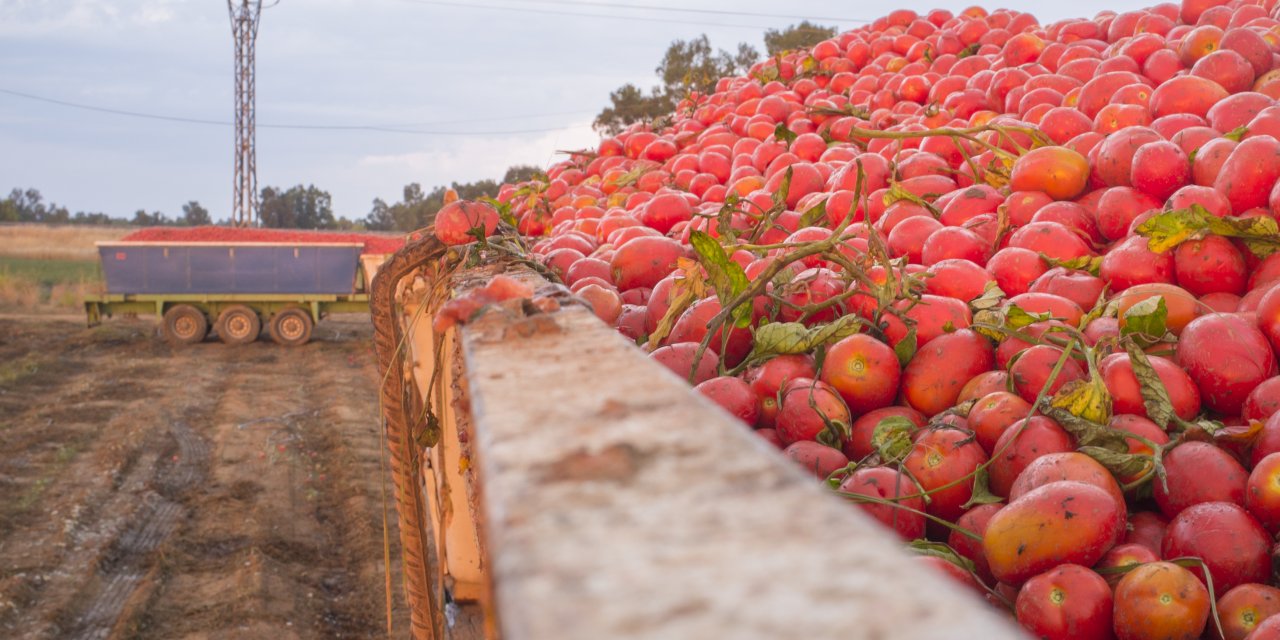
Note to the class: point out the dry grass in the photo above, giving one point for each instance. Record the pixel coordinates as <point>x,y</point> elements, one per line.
<point>54,242</point>
<point>45,267</point>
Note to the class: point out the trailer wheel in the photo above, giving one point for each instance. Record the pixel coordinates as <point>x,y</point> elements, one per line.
<point>291,327</point>
<point>238,324</point>
<point>185,324</point>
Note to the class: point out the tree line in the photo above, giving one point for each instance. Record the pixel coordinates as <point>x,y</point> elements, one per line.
<point>298,207</point>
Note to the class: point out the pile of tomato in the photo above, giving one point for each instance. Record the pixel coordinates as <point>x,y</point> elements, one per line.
<point>1012,288</point>
<point>374,244</point>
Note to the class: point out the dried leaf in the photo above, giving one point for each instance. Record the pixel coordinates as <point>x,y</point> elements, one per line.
<point>781,338</point>
<point>726,276</point>
<point>992,296</point>
<point>1119,464</point>
<point>892,438</point>
<point>1154,395</point>
<point>1087,399</point>
<point>906,347</point>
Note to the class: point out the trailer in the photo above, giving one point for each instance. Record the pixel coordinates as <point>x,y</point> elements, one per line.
<point>235,289</point>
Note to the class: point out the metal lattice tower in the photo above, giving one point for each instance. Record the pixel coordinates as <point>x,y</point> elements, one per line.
<point>244,27</point>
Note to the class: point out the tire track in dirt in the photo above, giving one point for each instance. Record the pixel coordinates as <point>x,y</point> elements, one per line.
<point>201,492</point>
<point>125,565</point>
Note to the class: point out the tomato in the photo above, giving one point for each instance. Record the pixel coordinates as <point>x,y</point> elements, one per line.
<point>1234,547</point>
<point>1160,601</point>
<point>682,359</point>
<point>859,444</point>
<point>994,413</point>
<point>767,381</point>
<point>885,483</point>
<point>644,261</point>
<point>975,521</point>
<point>1118,376</point>
<point>1125,556</point>
<point>940,461</point>
<point>1198,472</point>
<point>1020,446</point>
<point>1059,172</point>
<point>864,371</point>
<point>1067,602</point>
<point>1065,465</point>
<point>1227,356</point>
<point>818,459</point>
<point>932,380</point>
<point>1059,522</point>
<point>1243,608</point>
<point>1031,370</point>
<point>808,409</point>
<point>733,395</point>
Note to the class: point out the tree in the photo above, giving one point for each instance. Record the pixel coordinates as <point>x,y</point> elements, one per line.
<point>194,215</point>
<point>417,209</point>
<point>688,66</point>
<point>154,219</point>
<point>797,36</point>
<point>298,208</point>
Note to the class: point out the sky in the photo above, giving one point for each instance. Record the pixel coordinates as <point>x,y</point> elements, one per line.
<point>472,87</point>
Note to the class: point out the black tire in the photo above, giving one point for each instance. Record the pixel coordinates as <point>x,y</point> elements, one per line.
<point>185,324</point>
<point>291,327</point>
<point>238,324</point>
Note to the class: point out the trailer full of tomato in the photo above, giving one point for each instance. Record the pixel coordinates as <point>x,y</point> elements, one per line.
<point>1012,288</point>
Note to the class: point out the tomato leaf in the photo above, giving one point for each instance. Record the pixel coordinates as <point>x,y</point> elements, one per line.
<point>784,134</point>
<point>837,477</point>
<point>727,277</point>
<point>1146,319</point>
<point>814,215</point>
<point>981,491</point>
<point>1121,464</point>
<point>1088,433</point>
<point>1164,231</point>
<point>1086,399</point>
<point>780,196</point>
<point>941,550</point>
<point>782,338</point>
<point>1016,317</point>
<point>892,438</point>
<point>992,296</point>
<point>906,347</point>
<point>1089,264</point>
<point>1237,134</point>
<point>1154,395</point>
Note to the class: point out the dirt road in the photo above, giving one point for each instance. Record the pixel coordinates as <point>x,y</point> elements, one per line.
<point>150,491</point>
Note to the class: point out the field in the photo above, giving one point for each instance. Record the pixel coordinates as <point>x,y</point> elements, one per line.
<point>200,492</point>
<point>50,268</point>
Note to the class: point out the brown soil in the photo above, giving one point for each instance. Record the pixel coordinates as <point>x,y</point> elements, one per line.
<point>150,491</point>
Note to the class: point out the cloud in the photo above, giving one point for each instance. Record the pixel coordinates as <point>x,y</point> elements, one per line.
<point>483,157</point>
<point>36,17</point>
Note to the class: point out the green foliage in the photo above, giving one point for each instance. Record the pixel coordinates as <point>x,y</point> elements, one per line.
<point>298,208</point>
<point>417,209</point>
<point>688,66</point>
<point>797,36</point>
<point>194,215</point>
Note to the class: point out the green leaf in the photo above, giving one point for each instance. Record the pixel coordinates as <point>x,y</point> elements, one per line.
<point>1154,395</point>
<point>782,338</point>
<point>981,491</point>
<point>892,438</point>
<point>941,550</point>
<point>1164,231</point>
<point>814,215</point>
<point>504,211</point>
<point>1237,134</point>
<point>906,348</point>
<point>1090,264</point>
<point>1016,317</point>
<point>780,196</point>
<point>1147,319</point>
<point>784,134</point>
<point>727,277</point>
<point>836,478</point>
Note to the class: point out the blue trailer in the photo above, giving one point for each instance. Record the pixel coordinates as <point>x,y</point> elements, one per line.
<point>234,288</point>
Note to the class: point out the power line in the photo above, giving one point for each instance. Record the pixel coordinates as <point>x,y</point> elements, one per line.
<point>651,7</point>
<point>310,127</point>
